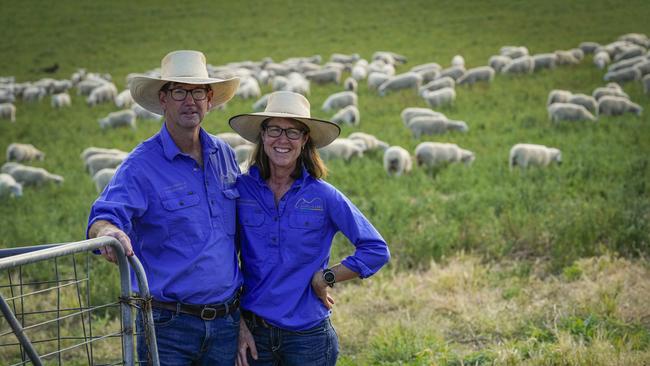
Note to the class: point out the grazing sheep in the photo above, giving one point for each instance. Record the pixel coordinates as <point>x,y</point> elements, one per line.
<point>141,113</point>
<point>609,90</point>
<point>525,155</point>
<point>339,100</point>
<point>232,139</point>
<point>98,162</point>
<point>614,106</point>
<point>102,94</point>
<point>455,72</point>
<point>481,73</point>
<point>588,47</point>
<point>646,84</point>
<point>427,66</point>
<point>359,72</point>
<point>397,58</point>
<point>350,84</point>
<point>325,75</point>
<point>23,152</point>
<point>639,39</point>
<point>558,96</point>
<point>577,53</point>
<point>371,142</point>
<point>61,100</point>
<point>375,79</point>
<point>514,52</point>
<point>243,152</point>
<point>344,59</point>
<point>643,67</point>
<point>260,104</point>
<point>544,61</point>
<point>349,115</point>
<point>428,75</point>
<point>297,84</point>
<point>498,62</point>
<point>442,82</point>
<point>602,59</point>
<point>382,67</point>
<point>103,177</point>
<point>458,60</point>
<point>629,52</point>
<point>623,75</point>
<point>86,86</point>
<point>7,94</point>
<point>121,118</point>
<point>248,88</point>
<point>124,99</point>
<point>29,175</point>
<point>436,154</point>
<point>586,101</point>
<point>565,58</point>
<point>439,97</point>
<point>397,161</point>
<point>8,111</point>
<point>409,113</point>
<point>408,80</point>
<point>624,64</point>
<point>434,125</point>
<point>34,93</point>
<point>9,186</point>
<point>568,112</point>
<point>9,166</point>
<point>342,148</point>
<point>280,83</point>
<point>92,150</point>
<point>521,65</point>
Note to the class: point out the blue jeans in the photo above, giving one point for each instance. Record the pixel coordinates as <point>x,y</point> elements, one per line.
<point>318,346</point>
<point>185,339</point>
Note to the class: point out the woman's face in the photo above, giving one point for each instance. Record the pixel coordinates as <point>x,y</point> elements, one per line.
<point>283,150</point>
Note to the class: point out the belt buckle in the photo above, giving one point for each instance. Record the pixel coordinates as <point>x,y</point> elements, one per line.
<point>208,313</point>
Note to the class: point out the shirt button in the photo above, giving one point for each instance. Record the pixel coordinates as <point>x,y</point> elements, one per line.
<point>212,202</point>
<point>181,203</point>
<point>196,169</point>
<point>275,219</point>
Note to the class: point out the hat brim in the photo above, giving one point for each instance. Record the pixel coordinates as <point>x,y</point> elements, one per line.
<point>144,89</point>
<point>249,126</point>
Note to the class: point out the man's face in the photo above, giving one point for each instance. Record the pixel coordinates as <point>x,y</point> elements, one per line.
<point>187,111</point>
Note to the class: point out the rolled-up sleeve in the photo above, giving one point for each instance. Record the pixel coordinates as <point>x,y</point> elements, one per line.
<point>372,251</point>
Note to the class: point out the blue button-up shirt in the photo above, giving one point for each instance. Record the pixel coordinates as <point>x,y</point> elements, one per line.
<point>283,246</point>
<point>179,216</point>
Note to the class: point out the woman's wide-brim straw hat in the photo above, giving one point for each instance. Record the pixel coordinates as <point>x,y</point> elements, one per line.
<point>187,67</point>
<point>287,105</point>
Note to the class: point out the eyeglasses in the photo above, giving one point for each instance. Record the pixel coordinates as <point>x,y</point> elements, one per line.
<point>179,94</point>
<point>292,133</point>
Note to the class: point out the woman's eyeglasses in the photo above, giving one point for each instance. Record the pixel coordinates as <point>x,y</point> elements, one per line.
<point>292,133</point>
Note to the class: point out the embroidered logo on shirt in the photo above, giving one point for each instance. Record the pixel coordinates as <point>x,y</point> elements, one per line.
<point>316,204</point>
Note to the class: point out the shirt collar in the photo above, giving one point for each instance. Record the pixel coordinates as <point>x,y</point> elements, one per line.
<point>171,150</point>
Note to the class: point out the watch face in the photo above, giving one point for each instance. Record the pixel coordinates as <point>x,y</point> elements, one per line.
<point>329,277</point>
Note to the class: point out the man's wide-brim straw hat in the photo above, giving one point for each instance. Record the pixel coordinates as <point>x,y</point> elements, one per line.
<point>187,67</point>
<point>287,105</point>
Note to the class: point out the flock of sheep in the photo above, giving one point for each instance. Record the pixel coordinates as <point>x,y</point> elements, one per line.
<point>627,60</point>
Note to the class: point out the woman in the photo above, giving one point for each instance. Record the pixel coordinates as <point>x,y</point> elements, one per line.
<point>287,218</point>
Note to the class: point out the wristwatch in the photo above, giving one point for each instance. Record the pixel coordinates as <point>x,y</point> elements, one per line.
<point>329,277</point>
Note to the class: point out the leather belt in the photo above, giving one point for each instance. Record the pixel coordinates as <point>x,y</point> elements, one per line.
<point>255,319</point>
<point>205,312</point>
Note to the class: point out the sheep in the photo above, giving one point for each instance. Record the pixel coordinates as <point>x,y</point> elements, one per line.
<point>98,162</point>
<point>297,84</point>
<point>24,152</point>
<point>521,65</point>
<point>92,150</point>
<point>248,88</point>
<point>577,53</point>
<point>28,175</point>
<point>643,67</point>
<point>586,101</point>
<point>601,59</point>
<point>603,91</point>
<point>430,125</point>
<point>124,99</point>
<point>613,106</point>
<point>339,100</point>
<point>371,142</point>
<point>349,115</point>
<point>9,186</point>
<point>60,86</point>
<point>9,166</point>
<point>101,94</point>
<point>280,83</point>
<point>639,39</point>
<point>125,117</point>
<point>623,75</point>
<point>629,52</point>
<point>141,113</point>
<point>439,97</point>
<point>442,82</point>
<point>525,155</point>
<point>350,84</point>
<point>498,62</point>
<point>375,79</point>
<point>397,161</point>
<point>342,148</point>
<point>558,96</point>
<point>103,177</point>
<point>646,84</point>
<point>427,66</point>
<point>232,139</point>
<point>86,86</point>
<point>243,152</point>
<point>565,58</point>
<point>544,61</point>
<point>8,111</point>
<point>481,73</point>
<point>260,104</point>
<point>624,64</point>
<point>514,52</point>
<point>359,72</point>
<point>588,47</point>
<point>437,154</point>
<point>409,113</point>
<point>382,67</point>
<point>60,100</point>
<point>33,93</point>
<point>7,95</point>
<point>407,80</point>
<point>325,75</point>
<point>344,59</point>
<point>568,112</point>
<point>396,57</point>
<point>455,72</point>
<point>458,60</point>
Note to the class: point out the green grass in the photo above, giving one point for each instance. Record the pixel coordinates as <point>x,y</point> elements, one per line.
<point>596,202</point>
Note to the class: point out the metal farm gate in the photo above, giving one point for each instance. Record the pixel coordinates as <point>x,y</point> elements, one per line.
<point>51,316</point>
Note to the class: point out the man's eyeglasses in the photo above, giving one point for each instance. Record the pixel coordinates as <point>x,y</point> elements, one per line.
<point>179,94</point>
<point>292,133</point>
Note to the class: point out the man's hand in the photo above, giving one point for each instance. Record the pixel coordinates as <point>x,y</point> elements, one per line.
<point>105,228</point>
<point>246,342</point>
<point>322,289</point>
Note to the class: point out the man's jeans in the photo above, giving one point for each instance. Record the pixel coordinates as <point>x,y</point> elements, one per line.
<point>318,346</point>
<point>185,339</point>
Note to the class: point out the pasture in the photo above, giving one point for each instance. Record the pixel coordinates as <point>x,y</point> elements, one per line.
<point>548,230</point>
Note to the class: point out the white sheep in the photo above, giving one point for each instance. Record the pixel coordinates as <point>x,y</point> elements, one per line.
<point>350,84</point>
<point>609,90</point>
<point>371,142</point>
<point>568,112</point>
<point>428,74</point>
<point>614,106</point>
<point>232,139</point>
<point>458,60</point>
<point>8,111</point>
<point>375,79</point>
<point>23,152</point>
<point>455,72</point>
<point>98,162</point>
<point>141,113</point>
<point>514,52</point>
<point>525,155</point>
<point>623,75</point>
<point>121,118</point>
<point>439,97</point>
<point>586,101</point>
<point>432,125</point>
<point>544,61</point>
<point>106,92</point>
<point>427,66</point>
<point>349,115</point>
<point>343,148</point>
<point>344,59</point>
<point>558,96</point>
<point>408,80</point>
<point>339,100</point>
<point>260,104</point>
<point>9,186</point>
<point>248,88</point>
<point>359,72</point>
<point>280,83</point>
<point>521,65</point>
<point>410,112</point>
<point>589,47</point>
<point>566,58</point>
<point>124,99</point>
<point>436,84</point>
<point>325,75</point>
<point>436,154</point>
<point>103,177</point>
<point>476,74</point>
<point>601,59</point>
<point>498,62</point>
<point>9,166</point>
<point>29,175</point>
<point>60,100</point>
<point>34,93</point>
<point>397,161</point>
<point>381,67</point>
<point>92,150</point>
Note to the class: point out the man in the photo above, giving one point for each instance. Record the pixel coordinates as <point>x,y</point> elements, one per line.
<point>172,204</point>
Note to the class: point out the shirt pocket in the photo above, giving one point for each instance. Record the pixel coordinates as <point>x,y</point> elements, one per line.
<point>186,223</point>
<point>307,230</point>
<point>228,216</point>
